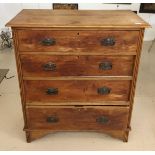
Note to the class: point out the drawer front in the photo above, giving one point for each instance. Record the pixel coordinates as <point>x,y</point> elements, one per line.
<point>73,118</point>
<point>77,90</point>
<point>78,41</point>
<point>49,66</point>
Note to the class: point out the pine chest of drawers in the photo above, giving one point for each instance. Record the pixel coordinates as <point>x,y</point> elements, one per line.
<point>77,70</point>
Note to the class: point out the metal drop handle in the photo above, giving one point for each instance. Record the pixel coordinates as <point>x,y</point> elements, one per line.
<point>50,66</point>
<point>52,119</point>
<point>105,65</point>
<point>48,42</point>
<point>110,41</point>
<point>52,91</point>
<point>102,120</point>
<point>104,90</point>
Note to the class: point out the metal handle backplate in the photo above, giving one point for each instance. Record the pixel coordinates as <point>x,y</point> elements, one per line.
<point>110,41</point>
<point>52,91</point>
<point>105,65</point>
<point>104,90</point>
<point>50,66</point>
<point>48,41</point>
<point>52,119</point>
<point>102,120</point>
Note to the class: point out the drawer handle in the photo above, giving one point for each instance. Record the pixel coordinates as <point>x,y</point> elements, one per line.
<point>105,66</point>
<point>104,90</point>
<point>52,91</point>
<point>108,41</point>
<point>52,119</point>
<point>48,42</point>
<point>102,120</point>
<point>50,66</point>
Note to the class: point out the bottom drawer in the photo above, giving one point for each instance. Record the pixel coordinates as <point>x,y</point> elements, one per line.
<point>77,118</point>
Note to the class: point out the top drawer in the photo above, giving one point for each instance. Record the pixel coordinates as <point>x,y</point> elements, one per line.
<point>74,41</point>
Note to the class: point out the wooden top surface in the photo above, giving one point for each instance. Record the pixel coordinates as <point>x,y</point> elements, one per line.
<point>77,18</point>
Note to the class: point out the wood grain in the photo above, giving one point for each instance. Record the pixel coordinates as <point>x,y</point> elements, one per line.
<point>76,65</point>
<point>80,103</point>
<point>77,18</point>
<point>75,90</point>
<point>116,78</point>
<point>77,41</point>
<point>78,118</point>
<point>119,53</point>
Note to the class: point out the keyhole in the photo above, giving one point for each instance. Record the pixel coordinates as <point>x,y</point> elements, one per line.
<point>78,33</point>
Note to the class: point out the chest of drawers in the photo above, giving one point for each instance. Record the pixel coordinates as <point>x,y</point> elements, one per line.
<point>77,70</point>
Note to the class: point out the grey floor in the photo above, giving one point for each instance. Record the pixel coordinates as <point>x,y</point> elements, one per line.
<point>142,136</point>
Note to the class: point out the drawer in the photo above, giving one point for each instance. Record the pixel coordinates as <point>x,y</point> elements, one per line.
<point>105,42</point>
<point>78,118</point>
<point>49,66</point>
<point>76,90</point>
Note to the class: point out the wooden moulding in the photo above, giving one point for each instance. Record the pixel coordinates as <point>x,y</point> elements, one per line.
<point>20,75</point>
<point>79,53</point>
<point>78,28</point>
<point>77,103</point>
<point>135,74</point>
<point>80,78</point>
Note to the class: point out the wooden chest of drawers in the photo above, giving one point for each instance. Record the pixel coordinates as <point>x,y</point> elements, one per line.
<point>77,70</point>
